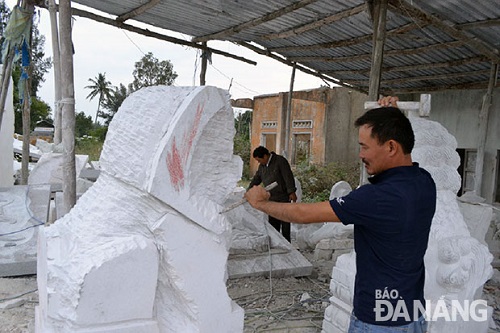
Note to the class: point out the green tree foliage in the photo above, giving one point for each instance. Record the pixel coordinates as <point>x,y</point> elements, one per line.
<point>4,17</point>
<point>316,180</point>
<point>242,140</point>
<point>100,87</point>
<point>149,71</point>
<point>83,124</point>
<point>242,124</point>
<point>99,132</point>
<point>113,103</point>
<point>39,111</point>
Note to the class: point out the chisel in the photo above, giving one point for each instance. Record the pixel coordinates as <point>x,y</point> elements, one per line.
<point>242,201</point>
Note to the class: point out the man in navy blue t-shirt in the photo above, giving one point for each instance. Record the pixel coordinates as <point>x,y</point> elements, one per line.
<point>392,217</point>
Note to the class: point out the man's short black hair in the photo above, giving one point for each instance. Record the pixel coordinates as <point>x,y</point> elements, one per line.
<point>260,152</point>
<point>389,123</point>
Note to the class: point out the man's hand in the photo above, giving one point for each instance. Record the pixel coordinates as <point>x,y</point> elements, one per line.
<point>389,101</point>
<point>257,195</point>
<point>292,197</point>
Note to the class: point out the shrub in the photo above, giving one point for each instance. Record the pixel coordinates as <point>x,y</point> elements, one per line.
<point>88,145</point>
<point>316,181</point>
<point>242,149</point>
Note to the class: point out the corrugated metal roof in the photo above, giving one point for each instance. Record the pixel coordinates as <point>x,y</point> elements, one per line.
<point>430,45</point>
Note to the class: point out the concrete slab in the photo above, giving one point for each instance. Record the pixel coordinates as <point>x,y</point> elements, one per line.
<point>23,209</point>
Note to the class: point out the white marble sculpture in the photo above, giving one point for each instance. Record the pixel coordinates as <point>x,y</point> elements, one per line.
<point>457,264</point>
<point>145,248</point>
<point>308,236</point>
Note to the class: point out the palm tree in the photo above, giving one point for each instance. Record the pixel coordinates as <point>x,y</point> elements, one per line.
<point>102,88</point>
<point>113,103</point>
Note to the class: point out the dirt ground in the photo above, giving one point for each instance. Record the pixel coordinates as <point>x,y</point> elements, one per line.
<point>292,305</point>
<point>278,305</point>
<point>18,298</point>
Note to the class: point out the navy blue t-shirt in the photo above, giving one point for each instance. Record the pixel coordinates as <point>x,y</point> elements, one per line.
<point>392,218</point>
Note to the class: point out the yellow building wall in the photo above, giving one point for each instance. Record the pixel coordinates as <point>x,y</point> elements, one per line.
<point>269,117</point>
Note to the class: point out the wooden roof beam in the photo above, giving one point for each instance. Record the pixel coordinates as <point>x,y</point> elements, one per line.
<point>362,57</point>
<point>343,43</point>
<point>331,59</point>
<point>394,91</point>
<point>425,77</point>
<point>255,22</point>
<point>479,24</point>
<point>137,11</point>
<point>367,56</point>
<point>446,64</point>
<point>424,49</point>
<point>299,67</point>
<point>426,89</point>
<point>146,32</point>
<point>316,24</point>
<point>449,64</point>
<point>404,9</point>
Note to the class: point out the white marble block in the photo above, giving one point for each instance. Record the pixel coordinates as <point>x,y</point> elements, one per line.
<point>145,248</point>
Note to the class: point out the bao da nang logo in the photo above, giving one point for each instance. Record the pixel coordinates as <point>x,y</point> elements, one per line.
<point>389,306</point>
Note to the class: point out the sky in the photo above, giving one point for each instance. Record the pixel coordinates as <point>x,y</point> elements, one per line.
<point>100,48</point>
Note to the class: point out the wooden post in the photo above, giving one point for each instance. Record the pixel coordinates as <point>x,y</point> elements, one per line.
<point>204,56</point>
<point>30,8</point>
<point>26,132</point>
<point>379,20</point>
<point>57,73</point>
<point>483,130</point>
<point>6,73</point>
<point>68,107</point>
<point>286,151</point>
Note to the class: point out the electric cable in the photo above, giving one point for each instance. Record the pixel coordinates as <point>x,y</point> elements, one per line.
<point>248,90</point>
<point>32,217</point>
<point>17,296</point>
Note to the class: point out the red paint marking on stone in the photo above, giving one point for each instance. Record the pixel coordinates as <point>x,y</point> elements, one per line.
<point>174,165</point>
<point>177,157</point>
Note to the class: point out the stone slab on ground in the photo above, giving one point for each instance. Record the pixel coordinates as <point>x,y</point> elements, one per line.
<point>250,257</point>
<point>284,264</point>
<point>90,174</point>
<point>23,208</point>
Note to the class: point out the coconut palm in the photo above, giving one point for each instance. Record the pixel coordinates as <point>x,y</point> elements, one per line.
<point>112,104</point>
<point>102,88</point>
